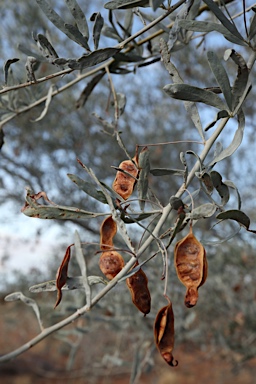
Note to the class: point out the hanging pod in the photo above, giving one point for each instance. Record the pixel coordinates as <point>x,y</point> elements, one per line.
<point>164,334</point>
<point>111,263</point>
<point>138,287</point>
<point>123,183</point>
<point>108,230</point>
<point>191,266</point>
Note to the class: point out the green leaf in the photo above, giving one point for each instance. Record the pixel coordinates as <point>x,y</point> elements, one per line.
<point>203,211</point>
<point>144,168</point>
<point>71,284</point>
<point>191,93</point>
<point>236,215</point>
<point>220,187</point>
<point>79,17</point>
<point>71,31</point>
<point>129,219</point>
<point>223,19</point>
<point>237,140</point>
<point>89,60</point>
<point>205,26</point>
<point>88,188</point>
<point>220,76</point>
<point>166,171</point>
<point>125,4</point>
<point>98,25</point>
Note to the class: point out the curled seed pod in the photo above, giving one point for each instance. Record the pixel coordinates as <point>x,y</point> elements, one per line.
<point>107,232</point>
<point>191,266</point>
<point>138,287</point>
<point>164,334</point>
<point>62,275</point>
<point>111,263</point>
<point>123,183</point>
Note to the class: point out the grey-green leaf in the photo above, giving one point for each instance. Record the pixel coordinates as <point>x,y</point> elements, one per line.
<point>88,188</point>
<point>79,17</point>
<point>230,184</point>
<point>47,104</point>
<point>166,171</point>
<point>125,4</point>
<point>88,89</point>
<point>252,29</point>
<point>89,60</point>
<point>72,32</point>
<point>98,25</point>
<point>144,167</point>
<point>203,211</point>
<point>223,19</point>
<point>7,65</point>
<point>71,284</point>
<point>205,26</point>
<point>191,93</point>
<point>59,212</point>
<point>237,140</point>
<point>220,76</point>
<point>220,187</point>
<point>26,300</point>
<point>236,215</point>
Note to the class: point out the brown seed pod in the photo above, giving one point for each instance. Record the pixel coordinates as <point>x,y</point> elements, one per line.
<point>123,183</point>
<point>62,275</point>
<point>191,266</point>
<point>164,334</point>
<point>107,232</point>
<point>111,263</point>
<point>138,287</point>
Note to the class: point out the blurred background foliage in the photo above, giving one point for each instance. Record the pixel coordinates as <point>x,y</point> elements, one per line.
<point>40,154</point>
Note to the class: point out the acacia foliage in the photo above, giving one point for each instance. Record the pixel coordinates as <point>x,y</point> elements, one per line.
<point>209,195</point>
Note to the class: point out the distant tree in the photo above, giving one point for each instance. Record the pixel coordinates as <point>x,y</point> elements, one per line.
<point>98,90</point>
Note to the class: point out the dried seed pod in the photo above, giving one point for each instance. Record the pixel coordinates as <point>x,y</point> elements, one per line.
<point>111,263</point>
<point>164,334</point>
<point>62,275</point>
<point>138,286</point>
<point>123,183</point>
<point>191,266</point>
<point>107,232</point>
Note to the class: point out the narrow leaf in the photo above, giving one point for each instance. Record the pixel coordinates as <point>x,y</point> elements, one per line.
<point>97,28</point>
<point>237,140</point>
<point>88,89</point>
<point>236,215</point>
<point>220,115</point>
<point>89,60</point>
<point>71,31</point>
<point>88,188</point>
<point>230,184</point>
<point>166,171</point>
<point>155,4</point>
<point>71,284</point>
<point>79,17</point>
<point>191,93</point>
<point>223,19</point>
<point>7,65</point>
<point>125,4</point>
<point>252,29</point>
<point>220,76</point>
<point>45,47</point>
<point>190,107</point>
<point>205,26</point>
<point>82,265</point>
<point>242,75</point>
<point>144,168</point>
<point>26,300</point>
<point>46,107</point>
<point>203,211</point>
<point>220,187</point>
<point>121,102</point>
